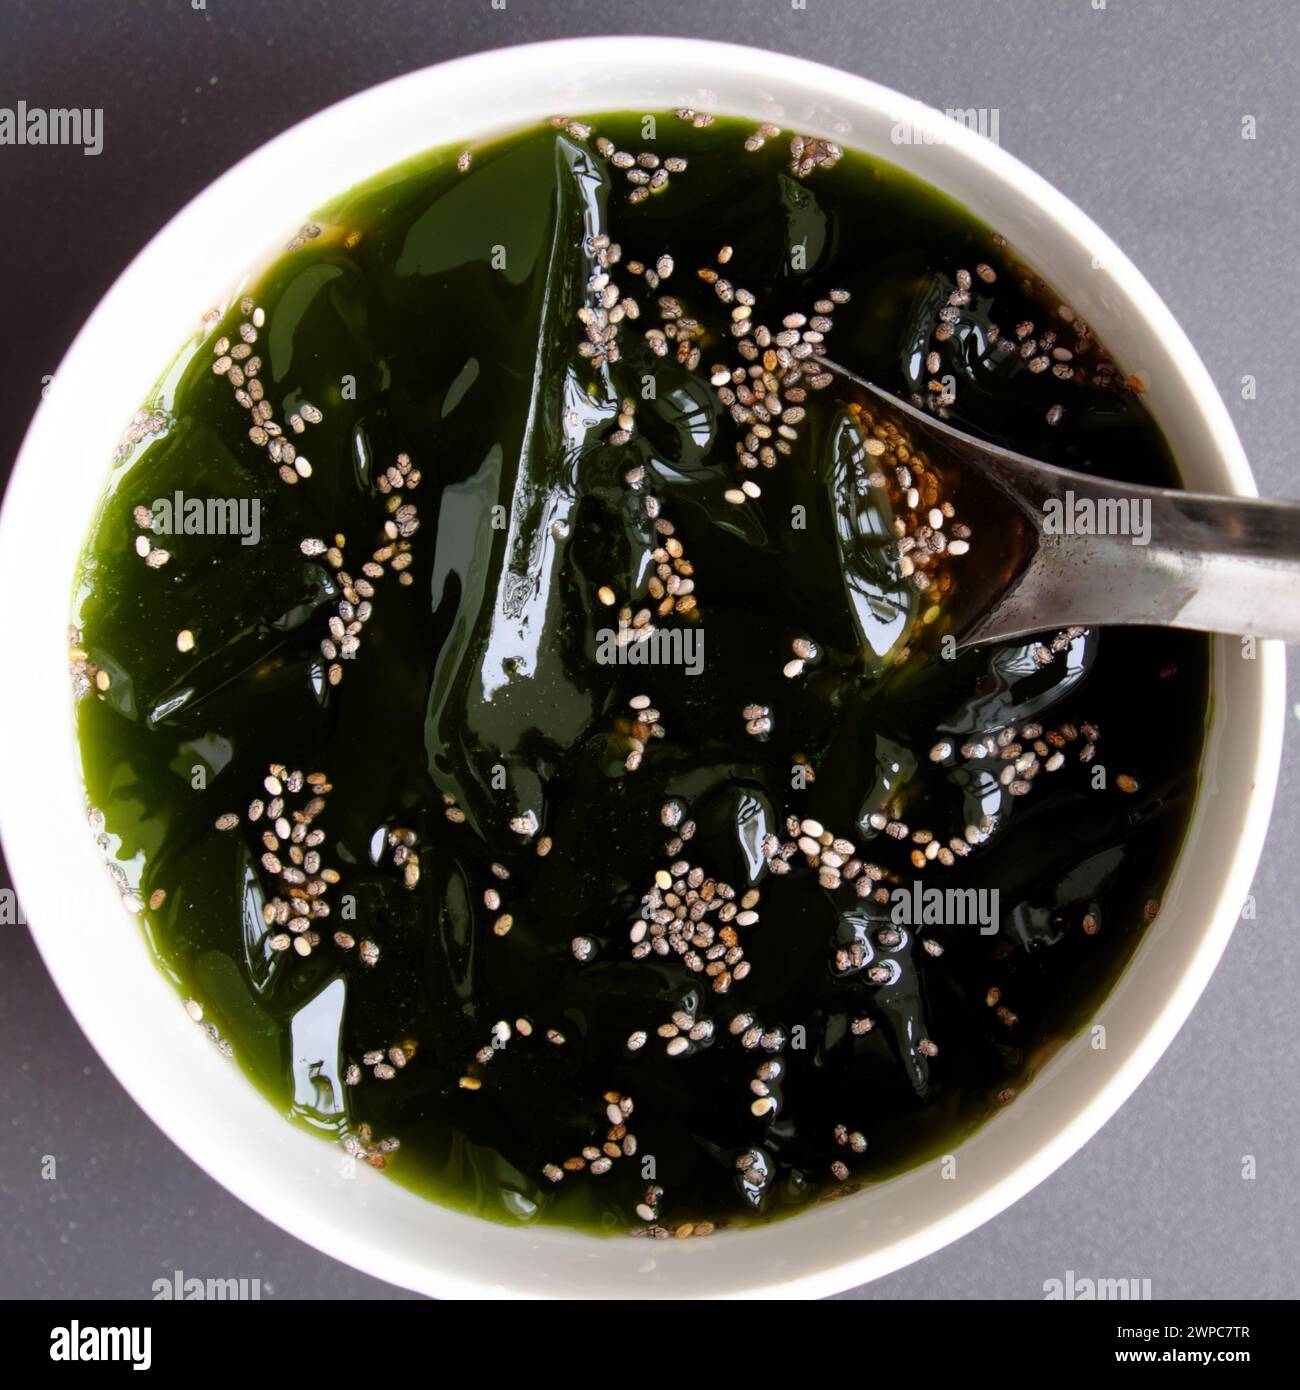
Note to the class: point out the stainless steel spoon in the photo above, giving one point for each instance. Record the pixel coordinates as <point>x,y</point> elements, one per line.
<point>1213,564</point>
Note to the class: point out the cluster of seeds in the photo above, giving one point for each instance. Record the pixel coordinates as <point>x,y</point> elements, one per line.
<point>1040,348</point>
<point>1024,752</point>
<point>131,900</point>
<point>752,1034</point>
<point>619,1142</point>
<point>652,275</point>
<point>854,957</point>
<point>384,1062</point>
<point>503,921</point>
<point>605,308</point>
<point>940,395</point>
<point>672,816</point>
<point>501,1036</point>
<point>399,478</point>
<point>634,626</point>
<point>625,423</point>
<point>671,588</point>
<point>808,152</point>
<point>309,231</point>
<point>363,1144</point>
<point>928,849</point>
<point>683,1034</point>
<point>153,556</point>
<point>86,676</point>
<point>646,172</point>
<point>993,999</point>
<point>834,858</point>
<point>684,1230</point>
<point>195,1011</point>
<point>766,1088</point>
<point>677,328</point>
<point>144,424</point>
<point>806,653</point>
<point>924,520</point>
<point>644,725</point>
<point>767,131</point>
<point>289,834</point>
<point>648,1208</point>
<point>402,843</point>
<point>236,363</point>
<point>1041,352</point>
<point>1046,653</point>
<point>758,720</point>
<point>698,119</point>
<point>1103,372</point>
<point>355,606</point>
<point>754,1173</point>
<point>672,585</point>
<point>675,919</point>
<point>765,393</point>
<point>850,1139</point>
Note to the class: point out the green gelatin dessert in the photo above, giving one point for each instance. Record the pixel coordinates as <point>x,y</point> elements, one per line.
<point>513,690</point>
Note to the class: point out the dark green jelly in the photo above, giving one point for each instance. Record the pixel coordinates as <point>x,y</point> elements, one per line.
<point>447,330</point>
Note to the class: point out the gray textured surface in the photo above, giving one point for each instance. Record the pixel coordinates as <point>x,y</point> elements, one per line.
<point>1135,112</point>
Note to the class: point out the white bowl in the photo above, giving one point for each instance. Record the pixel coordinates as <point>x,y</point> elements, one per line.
<point>96,953</point>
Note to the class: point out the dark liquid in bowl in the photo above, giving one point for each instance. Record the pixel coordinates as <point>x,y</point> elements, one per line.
<point>434,315</point>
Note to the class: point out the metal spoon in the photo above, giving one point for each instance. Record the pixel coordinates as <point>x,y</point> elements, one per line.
<point>1212,564</point>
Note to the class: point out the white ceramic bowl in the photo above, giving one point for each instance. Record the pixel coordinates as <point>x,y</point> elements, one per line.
<point>96,953</point>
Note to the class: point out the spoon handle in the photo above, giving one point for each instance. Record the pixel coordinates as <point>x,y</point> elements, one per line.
<point>1114,553</point>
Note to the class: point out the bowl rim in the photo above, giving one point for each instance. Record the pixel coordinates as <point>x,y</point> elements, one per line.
<point>206,1146</point>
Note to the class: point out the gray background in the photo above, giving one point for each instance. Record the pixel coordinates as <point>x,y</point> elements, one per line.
<point>1134,112</point>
